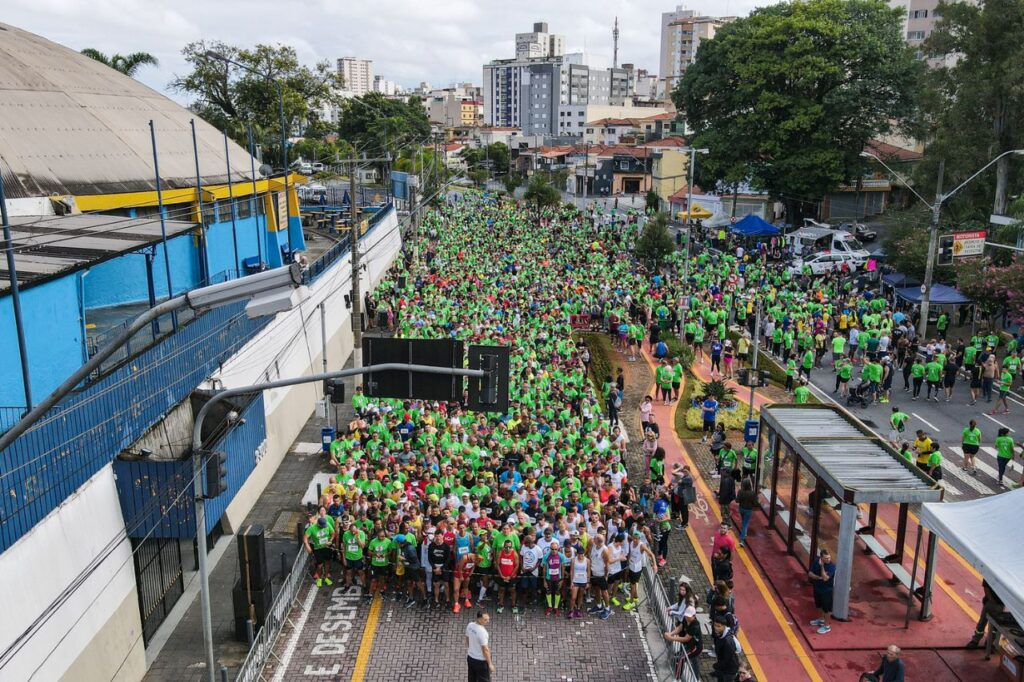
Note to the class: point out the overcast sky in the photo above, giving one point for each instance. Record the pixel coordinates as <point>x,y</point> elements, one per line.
<point>438,41</point>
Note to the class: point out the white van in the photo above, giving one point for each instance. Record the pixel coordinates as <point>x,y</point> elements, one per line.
<point>808,240</point>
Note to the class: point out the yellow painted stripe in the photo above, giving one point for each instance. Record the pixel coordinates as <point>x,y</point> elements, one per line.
<point>366,644</point>
<point>791,638</point>
<point>107,202</point>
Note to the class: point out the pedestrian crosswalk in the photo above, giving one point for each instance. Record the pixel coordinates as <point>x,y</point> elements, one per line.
<point>959,483</point>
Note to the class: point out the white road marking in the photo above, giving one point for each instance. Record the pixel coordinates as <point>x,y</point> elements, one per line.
<point>289,651</point>
<point>962,475</point>
<point>928,423</point>
<point>987,416</point>
<point>950,490</point>
<point>993,471</point>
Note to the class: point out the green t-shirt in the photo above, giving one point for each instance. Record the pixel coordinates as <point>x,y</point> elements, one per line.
<point>379,549</point>
<point>320,537</point>
<point>1005,379</point>
<point>897,419</point>
<point>837,344</point>
<point>971,436</point>
<point>801,395</point>
<point>350,540</point>
<point>1004,447</point>
<point>933,370</point>
<point>917,370</point>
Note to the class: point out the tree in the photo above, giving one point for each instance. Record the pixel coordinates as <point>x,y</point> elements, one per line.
<point>127,64</point>
<point>998,290</point>
<point>512,182</point>
<point>230,97</point>
<point>655,242</point>
<point>788,97</point>
<point>376,124</point>
<point>653,201</point>
<point>492,157</point>
<point>977,111</point>
<point>541,193</point>
<point>478,176</point>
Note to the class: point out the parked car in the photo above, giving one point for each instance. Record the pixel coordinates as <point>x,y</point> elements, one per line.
<point>825,262</point>
<point>864,233</point>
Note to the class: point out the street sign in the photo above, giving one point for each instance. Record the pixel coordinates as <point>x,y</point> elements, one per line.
<point>967,244</point>
<point>407,385</point>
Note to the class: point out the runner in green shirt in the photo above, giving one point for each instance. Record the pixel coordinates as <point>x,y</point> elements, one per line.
<point>353,541</point>
<point>1004,453</point>
<point>1005,379</point>
<point>380,550</point>
<point>917,371</point>
<point>801,394</point>
<point>898,424</point>
<point>970,440</point>
<point>933,375</point>
<point>318,540</point>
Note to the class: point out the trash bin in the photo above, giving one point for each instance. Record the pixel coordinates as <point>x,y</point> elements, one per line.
<point>327,437</point>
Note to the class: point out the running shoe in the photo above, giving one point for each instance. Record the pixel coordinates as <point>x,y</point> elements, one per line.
<point>467,603</point>
<point>818,621</point>
<point>615,600</point>
<point>628,606</point>
<point>604,614</point>
<point>457,607</point>
<point>597,608</point>
<point>327,581</point>
<point>319,582</point>
<point>410,603</point>
<point>547,611</point>
<point>515,609</point>
<point>556,613</point>
<point>824,630</point>
<point>500,609</point>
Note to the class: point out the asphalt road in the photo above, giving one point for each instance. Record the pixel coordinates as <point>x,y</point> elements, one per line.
<point>944,422</point>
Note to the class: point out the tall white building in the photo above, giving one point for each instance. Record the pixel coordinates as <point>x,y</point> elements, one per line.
<point>682,32</point>
<point>539,44</point>
<point>384,86</point>
<point>358,75</point>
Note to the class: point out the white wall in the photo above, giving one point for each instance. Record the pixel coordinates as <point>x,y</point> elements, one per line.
<point>97,633</point>
<point>287,348</point>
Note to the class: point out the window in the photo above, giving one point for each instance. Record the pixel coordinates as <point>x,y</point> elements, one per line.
<point>919,14</point>
<point>915,35</point>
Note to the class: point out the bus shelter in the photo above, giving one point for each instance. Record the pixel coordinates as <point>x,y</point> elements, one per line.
<point>825,469</point>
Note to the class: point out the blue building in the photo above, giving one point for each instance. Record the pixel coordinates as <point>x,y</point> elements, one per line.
<point>96,500</point>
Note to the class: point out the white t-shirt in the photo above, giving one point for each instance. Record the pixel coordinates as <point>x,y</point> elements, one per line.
<point>478,639</point>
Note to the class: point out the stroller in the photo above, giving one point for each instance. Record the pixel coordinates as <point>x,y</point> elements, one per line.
<point>860,395</point>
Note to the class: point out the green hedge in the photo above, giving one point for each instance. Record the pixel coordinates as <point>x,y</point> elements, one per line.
<point>734,420</point>
<point>601,354</point>
<point>676,349</point>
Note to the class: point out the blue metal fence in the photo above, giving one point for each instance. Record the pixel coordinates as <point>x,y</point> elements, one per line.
<point>156,495</point>
<point>49,462</point>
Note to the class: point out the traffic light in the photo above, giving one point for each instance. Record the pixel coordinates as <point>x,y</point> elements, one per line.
<point>335,390</point>
<point>216,473</point>
<point>490,392</point>
<point>945,255</point>
<point>744,377</point>
<point>764,378</point>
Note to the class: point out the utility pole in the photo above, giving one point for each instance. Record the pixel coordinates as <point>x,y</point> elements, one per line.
<point>357,304</point>
<point>933,240</point>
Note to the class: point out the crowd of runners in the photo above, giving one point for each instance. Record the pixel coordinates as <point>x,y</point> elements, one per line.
<point>444,508</point>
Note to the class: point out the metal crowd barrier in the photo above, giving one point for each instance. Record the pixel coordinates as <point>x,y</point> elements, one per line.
<point>266,639</point>
<point>682,669</point>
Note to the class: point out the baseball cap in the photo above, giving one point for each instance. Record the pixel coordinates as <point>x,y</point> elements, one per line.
<point>401,538</point>
<point>690,612</point>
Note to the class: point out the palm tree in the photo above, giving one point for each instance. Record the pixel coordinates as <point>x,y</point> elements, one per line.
<point>126,64</point>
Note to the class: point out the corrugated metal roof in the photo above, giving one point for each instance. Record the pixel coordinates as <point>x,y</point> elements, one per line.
<point>70,125</point>
<point>856,464</point>
<point>49,247</point>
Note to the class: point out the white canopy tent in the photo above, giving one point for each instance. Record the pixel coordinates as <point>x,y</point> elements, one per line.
<point>988,535</point>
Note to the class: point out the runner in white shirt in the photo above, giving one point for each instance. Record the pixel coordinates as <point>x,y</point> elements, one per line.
<point>529,556</point>
<point>580,578</point>
<point>600,557</point>
<point>636,550</point>
<point>618,553</point>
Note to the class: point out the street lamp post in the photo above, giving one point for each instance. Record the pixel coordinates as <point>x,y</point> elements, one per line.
<point>689,207</point>
<point>284,141</point>
<point>934,209</point>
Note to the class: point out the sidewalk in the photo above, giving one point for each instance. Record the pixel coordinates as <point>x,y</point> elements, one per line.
<point>763,625</point>
<point>278,509</point>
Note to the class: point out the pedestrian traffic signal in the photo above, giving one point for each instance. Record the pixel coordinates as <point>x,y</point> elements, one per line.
<point>490,392</point>
<point>744,377</point>
<point>216,473</point>
<point>764,378</point>
<point>945,255</point>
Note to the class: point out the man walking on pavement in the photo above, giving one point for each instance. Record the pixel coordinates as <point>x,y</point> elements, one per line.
<point>478,653</point>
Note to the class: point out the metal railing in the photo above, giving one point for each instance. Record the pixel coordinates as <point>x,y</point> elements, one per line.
<point>265,640</point>
<point>681,667</point>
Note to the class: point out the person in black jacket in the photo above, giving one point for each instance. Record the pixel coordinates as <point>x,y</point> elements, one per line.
<point>890,669</point>
<point>439,555</point>
<point>727,649</point>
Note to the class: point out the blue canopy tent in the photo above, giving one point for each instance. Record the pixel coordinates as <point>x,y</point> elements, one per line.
<point>898,280</point>
<point>754,226</point>
<point>941,295</point>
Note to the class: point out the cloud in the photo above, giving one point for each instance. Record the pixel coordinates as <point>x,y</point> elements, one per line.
<point>438,41</point>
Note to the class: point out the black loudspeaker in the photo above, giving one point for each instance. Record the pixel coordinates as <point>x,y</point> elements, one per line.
<point>250,604</point>
<point>252,556</point>
<point>403,384</point>
<point>401,282</point>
